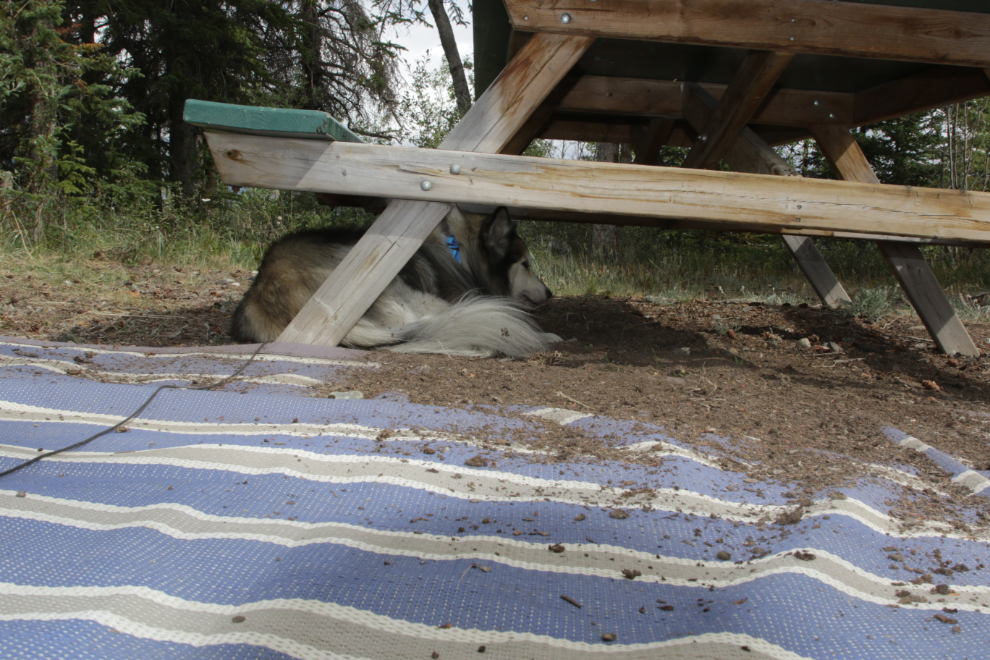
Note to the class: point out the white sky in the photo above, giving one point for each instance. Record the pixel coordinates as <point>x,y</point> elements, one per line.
<point>419,39</point>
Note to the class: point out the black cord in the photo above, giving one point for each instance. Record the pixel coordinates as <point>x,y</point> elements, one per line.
<point>135,414</point>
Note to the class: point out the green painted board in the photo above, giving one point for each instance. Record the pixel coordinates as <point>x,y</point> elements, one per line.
<point>275,122</point>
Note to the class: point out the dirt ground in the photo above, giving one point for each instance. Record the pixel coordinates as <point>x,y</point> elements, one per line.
<point>809,413</point>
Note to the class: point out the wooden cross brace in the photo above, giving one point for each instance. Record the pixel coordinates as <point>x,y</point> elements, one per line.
<point>401,229</point>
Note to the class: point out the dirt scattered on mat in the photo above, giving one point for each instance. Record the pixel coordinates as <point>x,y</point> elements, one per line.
<point>794,394</point>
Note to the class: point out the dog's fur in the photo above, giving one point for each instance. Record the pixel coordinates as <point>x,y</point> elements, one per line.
<point>434,305</point>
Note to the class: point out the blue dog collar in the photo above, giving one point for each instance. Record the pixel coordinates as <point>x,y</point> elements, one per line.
<point>454,248</point>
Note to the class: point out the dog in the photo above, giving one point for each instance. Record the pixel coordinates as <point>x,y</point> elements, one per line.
<point>464,292</point>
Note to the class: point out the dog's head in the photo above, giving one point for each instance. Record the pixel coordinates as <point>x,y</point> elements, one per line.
<point>508,262</point>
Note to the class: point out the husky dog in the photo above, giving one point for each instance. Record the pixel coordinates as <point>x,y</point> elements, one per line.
<point>464,292</point>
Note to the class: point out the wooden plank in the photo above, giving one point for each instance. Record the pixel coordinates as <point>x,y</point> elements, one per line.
<point>758,73</point>
<point>782,107</point>
<point>275,122</point>
<point>934,88</point>
<point>777,136</point>
<point>843,153</point>
<point>527,80</point>
<point>786,202</point>
<point>538,120</point>
<point>582,129</point>
<point>378,204</point>
<point>815,269</point>
<point>912,271</point>
<point>619,130</point>
<point>648,141</point>
<point>616,131</point>
<point>749,153</point>
<point>927,297</point>
<point>401,229</point>
<point>712,225</point>
<point>851,29</point>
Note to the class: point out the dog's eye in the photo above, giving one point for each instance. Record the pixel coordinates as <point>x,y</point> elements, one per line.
<point>526,265</point>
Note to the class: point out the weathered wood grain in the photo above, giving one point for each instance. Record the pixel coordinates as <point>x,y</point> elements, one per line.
<point>712,225</point>
<point>786,202</point>
<point>505,106</point>
<point>912,271</point>
<point>816,269</point>
<point>934,88</point>
<point>751,154</point>
<point>401,229</point>
<point>620,131</point>
<point>635,96</point>
<point>647,142</point>
<point>758,73</point>
<point>798,26</point>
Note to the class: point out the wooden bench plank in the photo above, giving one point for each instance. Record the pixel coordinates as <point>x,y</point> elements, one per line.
<point>590,187</point>
<point>273,122</point>
<point>912,271</point>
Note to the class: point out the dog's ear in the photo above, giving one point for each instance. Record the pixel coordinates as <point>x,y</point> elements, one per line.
<point>498,231</point>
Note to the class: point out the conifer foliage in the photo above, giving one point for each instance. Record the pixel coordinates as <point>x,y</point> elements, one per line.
<point>92,91</point>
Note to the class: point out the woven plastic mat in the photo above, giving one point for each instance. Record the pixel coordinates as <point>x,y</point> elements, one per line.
<point>258,521</point>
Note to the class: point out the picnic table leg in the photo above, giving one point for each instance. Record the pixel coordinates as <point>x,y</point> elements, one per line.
<point>401,229</point>
<point>912,271</point>
<point>750,153</point>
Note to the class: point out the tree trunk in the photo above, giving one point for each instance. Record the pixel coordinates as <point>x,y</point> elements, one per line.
<point>605,238</point>
<point>181,149</point>
<point>311,56</point>
<point>461,90</point>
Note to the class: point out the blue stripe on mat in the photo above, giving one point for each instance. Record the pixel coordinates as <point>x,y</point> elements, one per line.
<point>87,640</point>
<point>48,543</point>
<point>777,608</point>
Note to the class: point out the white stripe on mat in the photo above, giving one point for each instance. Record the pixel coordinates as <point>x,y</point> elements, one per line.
<point>65,367</point>
<point>488,485</point>
<point>261,357</point>
<point>970,479</point>
<point>185,523</point>
<point>559,415</point>
<point>13,411</point>
<point>309,629</point>
<point>659,448</point>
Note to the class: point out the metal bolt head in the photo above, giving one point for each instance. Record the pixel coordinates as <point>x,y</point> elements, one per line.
<point>817,103</point>
<point>565,18</point>
<point>831,115</point>
<point>455,169</point>
<point>703,137</point>
<point>425,185</point>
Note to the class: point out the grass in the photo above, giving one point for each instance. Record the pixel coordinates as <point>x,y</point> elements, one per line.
<point>231,232</point>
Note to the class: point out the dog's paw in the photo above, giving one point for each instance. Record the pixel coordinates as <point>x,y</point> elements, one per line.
<point>551,338</point>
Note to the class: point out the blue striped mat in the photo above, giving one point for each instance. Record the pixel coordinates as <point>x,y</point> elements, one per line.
<point>260,521</point>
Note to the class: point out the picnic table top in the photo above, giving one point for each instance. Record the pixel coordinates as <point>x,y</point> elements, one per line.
<point>655,60</point>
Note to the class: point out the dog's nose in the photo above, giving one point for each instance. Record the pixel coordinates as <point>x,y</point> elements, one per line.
<point>549,293</point>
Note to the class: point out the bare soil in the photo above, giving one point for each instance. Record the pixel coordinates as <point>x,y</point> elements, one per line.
<point>730,378</point>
